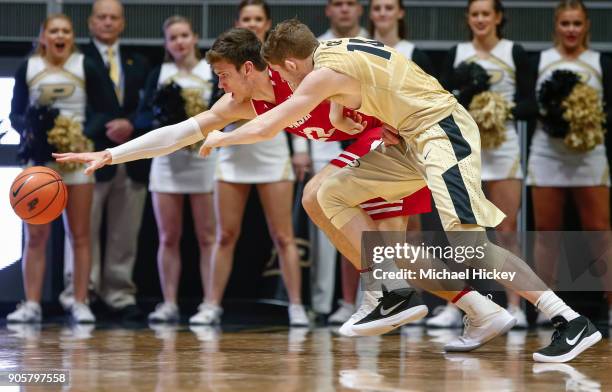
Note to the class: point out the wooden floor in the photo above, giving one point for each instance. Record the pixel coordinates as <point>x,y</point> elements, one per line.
<point>278,359</point>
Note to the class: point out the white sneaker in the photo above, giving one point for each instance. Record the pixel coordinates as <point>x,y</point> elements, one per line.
<point>519,315</point>
<point>297,316</point>
<point>81,314</point>
<point>369,303</point>
<point>479,331</point>
<point>448,316</point>
<point>208,314</point>
<point>342,314</point>
<point>27,312</point>
<point>165,312</point>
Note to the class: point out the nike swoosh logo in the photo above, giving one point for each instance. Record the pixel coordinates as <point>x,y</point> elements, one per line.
<point>385,312</point>
<point>426,155</point>
<point>575,340</point>
<point>16,191</point>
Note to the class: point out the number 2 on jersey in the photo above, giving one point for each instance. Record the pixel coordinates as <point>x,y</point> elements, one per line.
<point>369,46</point>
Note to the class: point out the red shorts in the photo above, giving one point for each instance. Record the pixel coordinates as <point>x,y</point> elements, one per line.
<point>417,203</point>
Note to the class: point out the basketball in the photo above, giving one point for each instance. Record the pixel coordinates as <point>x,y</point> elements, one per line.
<point>38,195</point>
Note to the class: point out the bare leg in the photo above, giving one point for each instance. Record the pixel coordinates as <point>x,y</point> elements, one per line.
<point>203,211</point>
<point>33,266</point>
<point>277,200</point>
<point>230,201</point>
<point>77,224</point>
<point>312,207</point>
<point>168,209</point>
<point>506,195</point>
<point>548,205</point>
<point>593,204</point>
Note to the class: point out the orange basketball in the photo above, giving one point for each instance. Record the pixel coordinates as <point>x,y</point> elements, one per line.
<point>38,195</point>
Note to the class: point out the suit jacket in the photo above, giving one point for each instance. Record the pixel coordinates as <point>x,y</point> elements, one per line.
<point>135,69</point>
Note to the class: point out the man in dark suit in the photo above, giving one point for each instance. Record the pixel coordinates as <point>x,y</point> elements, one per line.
<point>120,190</point>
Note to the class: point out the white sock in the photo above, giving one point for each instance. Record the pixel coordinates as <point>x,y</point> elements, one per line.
<point>392,284</point>
<point>551,305</point>
<point>476,305</point>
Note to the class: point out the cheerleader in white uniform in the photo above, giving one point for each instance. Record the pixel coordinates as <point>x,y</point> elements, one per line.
<point>557,173</point>
<point>58,77</point>
<point>267,165</point>
<point>507,65</point>
<point>183,172</point>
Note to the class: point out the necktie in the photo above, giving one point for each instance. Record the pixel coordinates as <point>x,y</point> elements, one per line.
<point>113,69</point>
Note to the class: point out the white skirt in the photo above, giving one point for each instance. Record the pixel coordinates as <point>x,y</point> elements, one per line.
<point>552,164</point>
<point>504,162</point>
<point>259,163</point>
<point>70,177</point>
<point>183,171</point>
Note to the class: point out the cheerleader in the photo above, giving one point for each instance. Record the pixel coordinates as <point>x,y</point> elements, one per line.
<point>180,88</point>
<point>560,171</point>
<point>57,84</point>
<point>267,165</point>
<point>506,71</point>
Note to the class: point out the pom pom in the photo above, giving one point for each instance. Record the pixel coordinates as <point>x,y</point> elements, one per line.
<point>34,146</point>
<point>169,105</point>
<point>584,113</point>
<point>67,136</point>
<point>469,80</point>
<point>194,105</point>
<point>491,111</point>
<point>552,93</point>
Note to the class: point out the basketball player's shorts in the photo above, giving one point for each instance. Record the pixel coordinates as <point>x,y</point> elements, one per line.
<point>445,158</point>
<point>418,202</point>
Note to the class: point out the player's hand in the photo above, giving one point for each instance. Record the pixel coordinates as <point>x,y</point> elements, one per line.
<point>351,125</point>
<point>93,160</point>
<point>390,135</point>
<point>119,130</point>
<point>212,140</point>
<point>301,164</point>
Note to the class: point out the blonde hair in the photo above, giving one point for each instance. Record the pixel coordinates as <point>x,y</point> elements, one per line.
<point>290,38</point>
<point>40,49</point>
<point>172,21</point>
<point>573,5</point>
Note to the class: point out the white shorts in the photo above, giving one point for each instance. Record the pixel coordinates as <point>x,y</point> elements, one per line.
<point>553,164</point>
<point>504,162</point>
<point>183,171</point>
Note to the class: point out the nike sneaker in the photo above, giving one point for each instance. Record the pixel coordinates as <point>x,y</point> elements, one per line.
<point>569,340</point>
<point>395,308</point>
<point>479,330</point>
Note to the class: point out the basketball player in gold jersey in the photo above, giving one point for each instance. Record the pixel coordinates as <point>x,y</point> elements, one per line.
<point>438,144</point>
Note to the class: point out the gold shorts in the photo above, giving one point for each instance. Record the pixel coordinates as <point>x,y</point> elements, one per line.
<point>445,157</point>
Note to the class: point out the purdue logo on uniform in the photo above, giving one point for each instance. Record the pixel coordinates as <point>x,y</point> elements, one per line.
<point>495,76</point>
<point>52,92</point>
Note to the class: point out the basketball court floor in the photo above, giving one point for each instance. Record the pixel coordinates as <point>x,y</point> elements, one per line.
<point>240,358</point>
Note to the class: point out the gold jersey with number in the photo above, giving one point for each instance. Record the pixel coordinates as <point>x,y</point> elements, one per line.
<point>393,88</point>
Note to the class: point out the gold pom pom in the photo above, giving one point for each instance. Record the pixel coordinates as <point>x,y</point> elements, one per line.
<point>194,105</point>
<point>491,111</point>
<point>585,116</point>
<point>67,136</point>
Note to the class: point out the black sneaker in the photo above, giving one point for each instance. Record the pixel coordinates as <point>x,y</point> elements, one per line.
<point>569,340</point>
<point>395,308</point>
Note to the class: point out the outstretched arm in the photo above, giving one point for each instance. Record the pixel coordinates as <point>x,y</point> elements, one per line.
<point>315,88</point>
<point>167,139</point>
